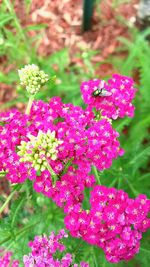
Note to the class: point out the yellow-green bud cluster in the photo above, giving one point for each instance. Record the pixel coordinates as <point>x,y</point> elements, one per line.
<point>39,149</point>
<point>32,78</point>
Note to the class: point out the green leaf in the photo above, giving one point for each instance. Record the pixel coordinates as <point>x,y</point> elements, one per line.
<point>35,27</point>
<point>4,19</point>
<point>140,157</point>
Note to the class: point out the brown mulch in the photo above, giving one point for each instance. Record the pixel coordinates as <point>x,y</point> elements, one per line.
<point>63,21</point>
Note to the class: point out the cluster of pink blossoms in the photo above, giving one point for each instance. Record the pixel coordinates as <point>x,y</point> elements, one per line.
<point>6,260</point>
<point>115,222</point>
<point>116,101</point>
<point>84,142</point>
<point>85,138</point>
<point>44,252</point>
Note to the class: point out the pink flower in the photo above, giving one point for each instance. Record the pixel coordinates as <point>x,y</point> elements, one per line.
<point>6,259</point>
<point>44,252</point>
<point>115,222</point>
<point>112,98</point>
<point>85,142</point>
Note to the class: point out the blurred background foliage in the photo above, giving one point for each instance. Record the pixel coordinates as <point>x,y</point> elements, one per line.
<point>29,213</point>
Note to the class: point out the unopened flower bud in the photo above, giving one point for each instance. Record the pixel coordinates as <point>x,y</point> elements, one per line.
<point>32,78</point>
<point>39,149</point>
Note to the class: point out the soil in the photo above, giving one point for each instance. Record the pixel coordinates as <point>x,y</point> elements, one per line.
<point>64,29</point>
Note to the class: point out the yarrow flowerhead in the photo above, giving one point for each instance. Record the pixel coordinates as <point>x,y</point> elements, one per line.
<point>85,142</point>
<point>66,140</point>
<point>6,259</point>
<point>115,222</point>
<point>39,149</point>
<point>32,78</point>
<point>44,250</point>
<point>113,98</point>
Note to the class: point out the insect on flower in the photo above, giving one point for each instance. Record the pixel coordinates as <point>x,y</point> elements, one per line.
<point>101,91</point>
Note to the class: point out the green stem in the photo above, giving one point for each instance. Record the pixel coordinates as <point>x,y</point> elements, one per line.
<point>29,105</point>
<point>67,166</point>
<point>145,250</point>
<point>2,173</point>
<point>113,183</point>
<point>78,248</point>
<point>96,174</point>
<point>12,12</point>
<point>16,211</point>
<point>53,174</point>
<point>25,229</point>
<point>104,264</point>
<point>8,199</point>
<point>146,175</point>
<point>94,257</point>
<point>134,191</point>
<point>119,182</point>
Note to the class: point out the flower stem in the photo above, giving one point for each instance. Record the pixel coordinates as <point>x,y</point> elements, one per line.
<point>18,25</point>
<point>119,182</point>
<point>8,199</point>
<point>2,173</point>
<point>94,257</point>
<point>134,191</point>
<point>6,202</point>
<point>18,233</point>
<point>67,166</point>
<point>78,247</point>
<point>53,174</point>
<point>29,105</point>
<point>113,183</point>
<point>96,175</point>
<point>145,250</point>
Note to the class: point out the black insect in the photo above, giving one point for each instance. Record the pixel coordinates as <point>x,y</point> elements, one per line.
<point>101,91</point>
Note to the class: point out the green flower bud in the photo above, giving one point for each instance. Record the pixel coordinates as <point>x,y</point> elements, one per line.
<point>32,78</point>
<point>39,149</point>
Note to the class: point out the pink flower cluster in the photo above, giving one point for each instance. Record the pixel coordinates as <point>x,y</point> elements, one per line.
<point>44,252</point>
<point>69,189</point>
<point>116,101</point>
<point>115,222</point>
<point>12,131</point>
<point>6,260</point>
<point>85,142</point>
<point>85,138</point>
